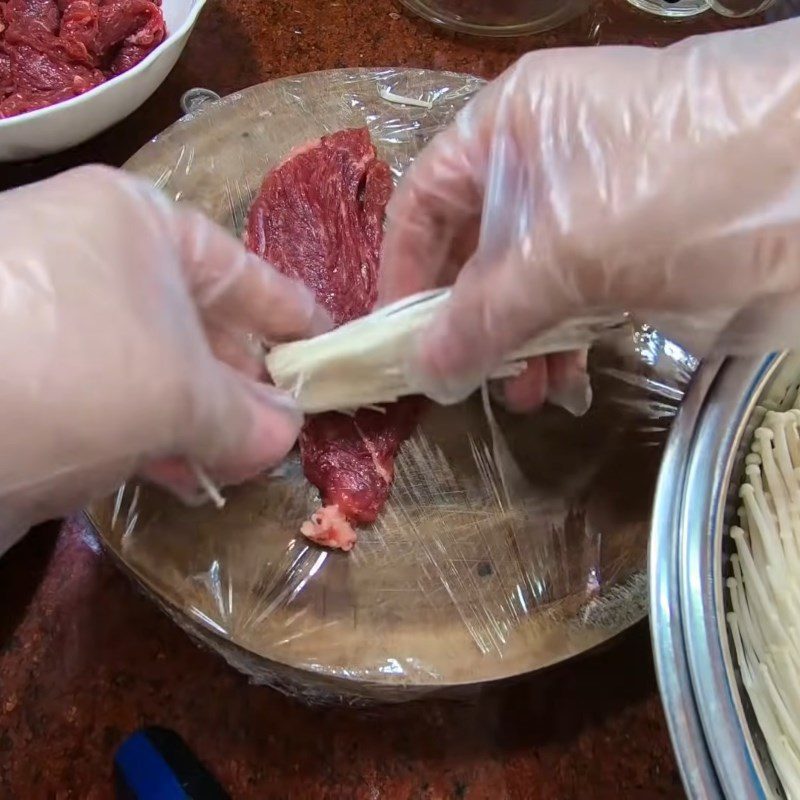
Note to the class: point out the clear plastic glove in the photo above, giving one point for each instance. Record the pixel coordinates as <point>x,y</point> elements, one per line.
<point>124,324</point>
<point>661,182</point>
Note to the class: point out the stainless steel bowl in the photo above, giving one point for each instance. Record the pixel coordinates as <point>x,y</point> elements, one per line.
<point>717,741</point>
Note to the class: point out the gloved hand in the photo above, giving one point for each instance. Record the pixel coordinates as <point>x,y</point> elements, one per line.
<point>661,182</point>
<point>124,349</point>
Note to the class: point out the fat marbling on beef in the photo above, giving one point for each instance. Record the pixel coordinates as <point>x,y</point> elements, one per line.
<point>319,218</point>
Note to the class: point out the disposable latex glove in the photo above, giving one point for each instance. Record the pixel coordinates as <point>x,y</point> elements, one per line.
<point>661,182</point>
<point>123,346</point>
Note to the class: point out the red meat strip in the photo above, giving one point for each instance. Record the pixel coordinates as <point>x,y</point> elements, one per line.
<point>319,218</point>
<point>53,51</point>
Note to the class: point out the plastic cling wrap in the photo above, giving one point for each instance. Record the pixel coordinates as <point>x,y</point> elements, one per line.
<point>509,543</point>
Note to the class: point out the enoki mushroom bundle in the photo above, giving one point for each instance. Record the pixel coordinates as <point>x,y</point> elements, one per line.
<point>765,590</point>
<point>362,364</point>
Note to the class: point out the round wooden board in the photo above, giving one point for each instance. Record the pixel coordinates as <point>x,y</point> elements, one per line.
<point>496,555</point>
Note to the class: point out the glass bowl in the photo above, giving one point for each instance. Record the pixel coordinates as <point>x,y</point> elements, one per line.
<point>498,17</point>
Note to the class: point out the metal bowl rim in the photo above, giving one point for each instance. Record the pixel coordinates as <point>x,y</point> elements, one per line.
<point>716,438</point>
<point>669,650</point>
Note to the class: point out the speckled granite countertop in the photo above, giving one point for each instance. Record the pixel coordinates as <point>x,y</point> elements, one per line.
<point>238,43</point>
<point>85,660</point>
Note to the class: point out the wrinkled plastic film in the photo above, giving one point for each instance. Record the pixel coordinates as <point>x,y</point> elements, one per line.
<point>509,543</point>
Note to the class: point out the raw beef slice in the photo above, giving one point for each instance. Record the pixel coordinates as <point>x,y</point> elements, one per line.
<point>54,50</point>
<point>319,218</point>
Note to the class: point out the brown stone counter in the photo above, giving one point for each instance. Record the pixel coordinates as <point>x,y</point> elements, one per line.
<point>238,43</point>
<point>85,660</point>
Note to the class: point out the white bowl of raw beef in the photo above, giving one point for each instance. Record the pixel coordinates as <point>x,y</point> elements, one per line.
<point>71,122</point>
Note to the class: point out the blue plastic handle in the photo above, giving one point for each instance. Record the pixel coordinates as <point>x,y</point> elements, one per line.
<point>155,764</point>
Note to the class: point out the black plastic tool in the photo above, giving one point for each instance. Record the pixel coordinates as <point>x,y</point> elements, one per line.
<point>156,764</point>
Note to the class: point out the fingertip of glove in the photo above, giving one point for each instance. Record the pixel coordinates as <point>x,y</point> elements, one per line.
<point>312,319</point>
<point>277,420</point>
<point>439,370</point>
<point>574,396</point>
<point>321,321</point>
<point>526,392</point>
<point>569,386</point>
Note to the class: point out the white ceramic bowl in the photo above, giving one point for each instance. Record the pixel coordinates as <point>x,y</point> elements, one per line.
<point>58,127</point>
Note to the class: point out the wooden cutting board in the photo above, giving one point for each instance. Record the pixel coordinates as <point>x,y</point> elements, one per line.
<point>494,557</point>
